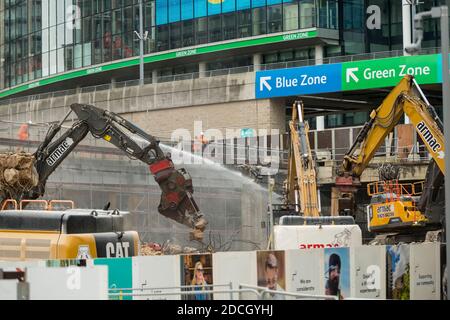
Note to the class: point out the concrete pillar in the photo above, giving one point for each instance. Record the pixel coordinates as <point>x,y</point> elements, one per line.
<point>201,69</point>
<point>318,54</point>
<point>406,25</point>
<point>154,76</point>
<point>257,61</point>
<point>320,123</point>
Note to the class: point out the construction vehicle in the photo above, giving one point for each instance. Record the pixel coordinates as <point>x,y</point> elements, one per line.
<point>18,224</point>
<point>301,225</point>
<point>301,182</point>
<point>401,212</point>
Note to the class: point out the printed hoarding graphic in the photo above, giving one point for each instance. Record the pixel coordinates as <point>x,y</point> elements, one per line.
<point>337,272</point>
<point>197,270</point>
<point>398,272</point>
<point>271,272</point>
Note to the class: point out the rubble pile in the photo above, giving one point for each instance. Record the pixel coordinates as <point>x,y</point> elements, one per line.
<point>17,173</point>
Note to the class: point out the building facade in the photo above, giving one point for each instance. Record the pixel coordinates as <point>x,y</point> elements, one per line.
<point>43,38</point>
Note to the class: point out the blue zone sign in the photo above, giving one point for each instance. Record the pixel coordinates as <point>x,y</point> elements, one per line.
<point>297,81</point>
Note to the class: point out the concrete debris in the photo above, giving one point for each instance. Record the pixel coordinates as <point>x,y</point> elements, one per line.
<point>17,173</point>
<point>155,249</point>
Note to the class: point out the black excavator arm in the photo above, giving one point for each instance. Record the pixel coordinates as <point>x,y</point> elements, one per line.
<point>176,203</point>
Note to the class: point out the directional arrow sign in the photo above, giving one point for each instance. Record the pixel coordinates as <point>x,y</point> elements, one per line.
<point>263,83</point>
<point>350,74</point>
<point>295,81</point>
<point>388,72</point>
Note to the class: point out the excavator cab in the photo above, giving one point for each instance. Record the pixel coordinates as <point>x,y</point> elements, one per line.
<point>394,204</point>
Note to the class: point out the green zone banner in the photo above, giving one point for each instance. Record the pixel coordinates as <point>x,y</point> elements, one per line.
<point>298,35</point>
<point>388,72</point>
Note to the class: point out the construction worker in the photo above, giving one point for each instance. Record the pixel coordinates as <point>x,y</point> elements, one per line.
<point>23,132</point>
<point>200,143</point>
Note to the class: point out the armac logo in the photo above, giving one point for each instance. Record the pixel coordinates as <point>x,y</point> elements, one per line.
<point>428,136</point>
<point>62,148</point>
<point>317,245</point>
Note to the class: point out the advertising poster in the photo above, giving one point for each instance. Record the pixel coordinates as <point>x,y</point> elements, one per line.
<point>337,272</point>
<point>237,268</point>
<point>368,272</point>
<point>398,272</point>
<point>425,271</point>
<point>304,271</point>
<point>155,273</point>
<point>196,270</point>
<point>119,276</point>
<point>271,272</point>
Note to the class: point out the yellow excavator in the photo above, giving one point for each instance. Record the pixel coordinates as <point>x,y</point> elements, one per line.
<point>401,212</point>
<point>301,185</point>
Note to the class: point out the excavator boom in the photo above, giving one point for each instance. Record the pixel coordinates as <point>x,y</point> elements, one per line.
<point>406,98</point>
<point>176,203</point>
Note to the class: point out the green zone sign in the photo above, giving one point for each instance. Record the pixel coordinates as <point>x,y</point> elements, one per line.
<point>235,44</point>
<point>358,75</point>
<point>388,72</point>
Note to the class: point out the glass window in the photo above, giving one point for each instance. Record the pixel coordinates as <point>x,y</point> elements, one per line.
<point>188,33</point>
<point>161,12</point>
<point>128,20</point>
<point>215,28</point>
<point>87,29</point>
<point>259,21</point>
<point>229,26</point>
<point>307,17</point>
<point>175,35</point>
<point>117,21</point>
<point>187,9</point>
<point>200,8</point>
<point>201,31</point>
<point>214,7</point>
<point>290,16</point>
<point>174,10</point>
<point>228,6</point>
<point>244,23</point>
<point>258,3</point>
<point>243,4</point>
<point>274,21</point>
<point>162,38</point>
<point>117,47</point>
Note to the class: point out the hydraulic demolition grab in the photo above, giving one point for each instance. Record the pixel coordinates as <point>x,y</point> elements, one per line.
<point>176,203</point>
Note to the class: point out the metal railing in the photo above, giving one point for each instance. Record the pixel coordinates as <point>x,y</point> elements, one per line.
<point>261,293</point>
<point>220,72</point>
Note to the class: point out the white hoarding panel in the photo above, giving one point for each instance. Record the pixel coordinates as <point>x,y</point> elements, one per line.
<point>368,272</point>
<point>235,268</point>
<point>304,271</point>
<point>156,272</point>
<point>8,289</point>
<point>72,283</point>
<point>425,271</point>
<point>310,237</point>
